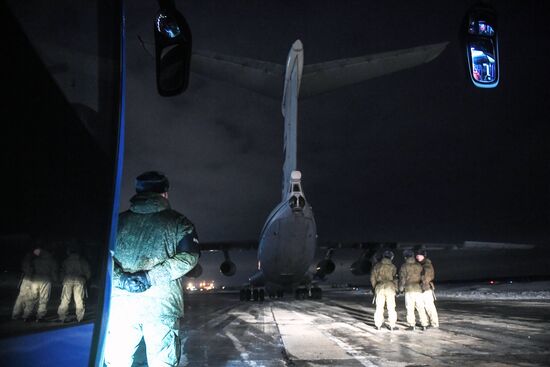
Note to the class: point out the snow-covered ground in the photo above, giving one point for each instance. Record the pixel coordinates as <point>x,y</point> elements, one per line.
<point>495,290</point>
<point>338,330</point>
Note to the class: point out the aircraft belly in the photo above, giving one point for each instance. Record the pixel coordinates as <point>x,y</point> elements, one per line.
<point>288,248</point>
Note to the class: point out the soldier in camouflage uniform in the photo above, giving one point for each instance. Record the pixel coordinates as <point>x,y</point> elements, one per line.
<point>427,285</point>
<point>383,281</point>
<point>155,247</point>
<point>410,275</point>
<point>76,272</point>
<point>39,271</point>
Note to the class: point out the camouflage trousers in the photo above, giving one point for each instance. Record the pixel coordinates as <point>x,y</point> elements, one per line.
<point>414,301</point>
<point>125,331</point>
<point>32,292</point>
<point>72,287</point>
<point>429,306</point>
<point>385,298</point>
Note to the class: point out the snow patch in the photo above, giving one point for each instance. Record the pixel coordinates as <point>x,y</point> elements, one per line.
<point>496,290</point>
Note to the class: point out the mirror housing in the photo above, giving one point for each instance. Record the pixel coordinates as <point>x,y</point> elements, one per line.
<point>481,32</point>
<point>173,46</point>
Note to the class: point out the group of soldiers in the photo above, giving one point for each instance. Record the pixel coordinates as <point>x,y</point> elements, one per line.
<point>40,270</point>
<point>415,280</point>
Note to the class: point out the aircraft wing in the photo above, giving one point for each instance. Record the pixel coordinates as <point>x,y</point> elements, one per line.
<point>259,76</point>
<point>229,245</point>
<point>333,245</point>
<point>467,245</point>
<point>331,75</point>
<point>266,78</point>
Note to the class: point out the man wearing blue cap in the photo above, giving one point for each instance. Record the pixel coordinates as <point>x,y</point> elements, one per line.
<point>155,247</point>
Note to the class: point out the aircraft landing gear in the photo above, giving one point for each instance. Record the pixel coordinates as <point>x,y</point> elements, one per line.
<point>313,293</point>
<point>316,293</point>
<point>255,295</point>
<point>300,293</point>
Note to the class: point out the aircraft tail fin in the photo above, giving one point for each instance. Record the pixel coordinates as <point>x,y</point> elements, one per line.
<point>289,107</point>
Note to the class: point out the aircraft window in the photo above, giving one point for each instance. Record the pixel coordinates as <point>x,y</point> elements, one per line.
<point>483,61</point>
<point>61,146</point>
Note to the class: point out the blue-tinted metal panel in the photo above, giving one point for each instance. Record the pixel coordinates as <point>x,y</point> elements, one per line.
<point>61,347</point>
<point>98,348</point>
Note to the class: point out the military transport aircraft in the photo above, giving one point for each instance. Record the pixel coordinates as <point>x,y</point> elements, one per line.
<point>288,240</point>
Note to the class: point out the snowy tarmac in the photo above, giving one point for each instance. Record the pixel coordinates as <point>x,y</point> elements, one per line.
<point>219,330</point>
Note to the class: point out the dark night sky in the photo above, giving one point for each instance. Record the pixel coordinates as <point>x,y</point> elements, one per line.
<point>420,155</point>
<point>417,156</point>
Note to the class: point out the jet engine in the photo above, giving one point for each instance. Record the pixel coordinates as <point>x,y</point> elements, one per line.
<point>195,272</point>
<point>325,267</point>
<point>228,268</point>
<point>361,267</point>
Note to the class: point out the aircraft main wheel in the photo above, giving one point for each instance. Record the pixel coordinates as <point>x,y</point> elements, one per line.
<point>248,294</point>
<point>316,293</point>
<point>262,295</point>
<point>255,295</point>
<point>301,294</point>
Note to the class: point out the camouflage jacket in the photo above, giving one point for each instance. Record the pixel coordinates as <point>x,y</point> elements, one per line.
<point>149,238</point>
<point>410,275</point>
<point>75,266</point>
<point>428,275</point>
<point>42,267</point>
<point>383,275</point>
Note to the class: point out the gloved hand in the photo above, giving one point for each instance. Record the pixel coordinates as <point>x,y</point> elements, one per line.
<point>134,282</point>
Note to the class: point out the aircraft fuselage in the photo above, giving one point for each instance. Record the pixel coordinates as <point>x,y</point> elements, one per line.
<point>287,242</point>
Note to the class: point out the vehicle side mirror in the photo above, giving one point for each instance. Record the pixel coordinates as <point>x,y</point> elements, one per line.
<point>173,45</point>
<point>482,47</point>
